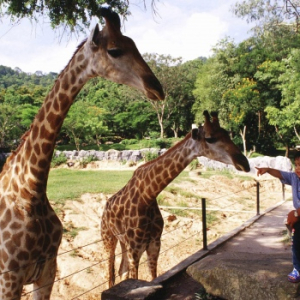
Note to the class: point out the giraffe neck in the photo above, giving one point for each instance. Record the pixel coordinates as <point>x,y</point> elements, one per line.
<point>30,163</point>
<point>157,174</point>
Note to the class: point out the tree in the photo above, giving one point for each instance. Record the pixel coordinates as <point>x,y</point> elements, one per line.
<point>75,123</point>
<point>95,127</point>
<point>72,14</point>
<point>269,15</point>
<point>84,123</point>
<point>285,118</point>
<point>137,120</point>
<point>242,101</point>
<point>27,114</point>
<point>177,83</point>
<point>9,129</point>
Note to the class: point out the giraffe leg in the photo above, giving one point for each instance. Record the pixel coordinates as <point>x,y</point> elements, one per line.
<point>123,270</point>
<point>43,286</point>
<point>110,243</point>
<point>134,255</point>
<point>152,257</point>
<point>111,262</point>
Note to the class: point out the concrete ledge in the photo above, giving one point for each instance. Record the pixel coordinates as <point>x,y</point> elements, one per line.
<point>133,289</point>
<point>182,266</point>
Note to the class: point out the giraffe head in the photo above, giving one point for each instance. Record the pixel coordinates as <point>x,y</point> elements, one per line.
<point>217,144</point>
<point>115,57</point>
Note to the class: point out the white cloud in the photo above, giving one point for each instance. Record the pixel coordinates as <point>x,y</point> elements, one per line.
<point>187,32</point>
<point>31,48</point>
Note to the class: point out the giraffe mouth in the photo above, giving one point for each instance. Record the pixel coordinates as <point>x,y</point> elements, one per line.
<point>155,95</point>
<point>241,163</point>
<point>153,88</point>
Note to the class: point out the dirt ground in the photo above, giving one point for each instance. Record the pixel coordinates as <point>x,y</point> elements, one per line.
<point>82,272</point>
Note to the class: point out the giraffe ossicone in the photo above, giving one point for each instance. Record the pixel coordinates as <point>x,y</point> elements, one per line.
<point>30,231</point>
<point>132,215</point>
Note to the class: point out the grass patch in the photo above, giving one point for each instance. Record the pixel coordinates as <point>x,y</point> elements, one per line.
<point>179,212</point>
<point>72,232</point>
<point>211,217</point>
<point>162,200</point>
<point>64,184</point>
<point>184,175</point>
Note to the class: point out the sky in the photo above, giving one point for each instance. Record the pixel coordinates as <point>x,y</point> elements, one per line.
<point>187,29</point>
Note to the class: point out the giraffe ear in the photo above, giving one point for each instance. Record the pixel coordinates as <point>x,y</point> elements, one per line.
<point>94,38</point>
<point>195,131</point>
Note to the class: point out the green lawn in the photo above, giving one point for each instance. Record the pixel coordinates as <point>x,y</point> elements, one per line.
<point>66,184</point>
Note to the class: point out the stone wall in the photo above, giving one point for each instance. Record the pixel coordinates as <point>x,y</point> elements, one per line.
<point>278,162</point>
<point>125,155</point>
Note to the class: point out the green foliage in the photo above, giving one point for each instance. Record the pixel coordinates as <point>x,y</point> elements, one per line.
<point>129,141</point>
<point>71,232</point>
<point>174,112</point>
<point>163,143</point>
<point>75,15</point>
<point>86,160</point>
<point>58,160</point>
<point>9,129</point>
<point>194,164</point>
<point>150,155</point>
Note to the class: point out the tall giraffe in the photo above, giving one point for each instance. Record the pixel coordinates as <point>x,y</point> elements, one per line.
<point>30,231</point>
<point>132,215</point>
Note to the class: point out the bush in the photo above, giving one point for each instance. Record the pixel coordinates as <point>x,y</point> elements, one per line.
<point>194,164</point>
<point>163,143</point>
<point>129,142</point>
<point>58,160</point>
<point>154,134</point>
<point>149,155</point>
<point>86,160</point>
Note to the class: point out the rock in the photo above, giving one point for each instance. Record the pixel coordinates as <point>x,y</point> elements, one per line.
<point>279,162</point>
<point>133,289</point>
<point>246,276</point>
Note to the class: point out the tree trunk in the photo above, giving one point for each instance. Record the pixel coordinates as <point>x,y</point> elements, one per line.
<point>243,135</point>
<point>175,130</point>
<point>287,148</point>
<point>296,132</point>
<point>160,121</point>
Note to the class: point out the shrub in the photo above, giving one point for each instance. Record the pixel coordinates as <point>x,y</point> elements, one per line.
<point>194,164</point>
<point>58,160</point>
<point>129,142</point>
<point>149,155</point>
<point>163,143</point>
<point>88,159</point>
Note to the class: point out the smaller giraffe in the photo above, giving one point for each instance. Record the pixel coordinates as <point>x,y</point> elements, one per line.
<point>132,215</point>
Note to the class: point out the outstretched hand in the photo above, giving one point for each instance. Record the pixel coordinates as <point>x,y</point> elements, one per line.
<point>261,171</point>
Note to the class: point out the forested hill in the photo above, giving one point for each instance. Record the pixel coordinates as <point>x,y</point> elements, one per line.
<point>16,77</point>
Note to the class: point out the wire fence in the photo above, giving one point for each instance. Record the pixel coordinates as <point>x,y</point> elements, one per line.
<point>187,229</point>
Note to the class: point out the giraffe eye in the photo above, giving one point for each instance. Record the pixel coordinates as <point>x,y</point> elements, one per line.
<point>115,52</point>
<point>210,140</point>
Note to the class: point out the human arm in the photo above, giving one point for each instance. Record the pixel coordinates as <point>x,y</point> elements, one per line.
<point>274,172</point>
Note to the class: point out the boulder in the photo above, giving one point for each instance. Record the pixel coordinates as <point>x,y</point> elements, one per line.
<point>246,276</point>
<point>279,162</point>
